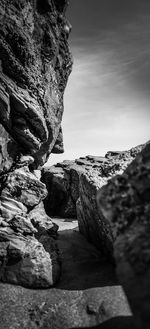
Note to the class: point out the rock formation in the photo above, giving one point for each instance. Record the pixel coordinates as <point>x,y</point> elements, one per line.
<point>72,190</point>
<point>110,197</point>
<point>35,63</point>
<point>125,203</point>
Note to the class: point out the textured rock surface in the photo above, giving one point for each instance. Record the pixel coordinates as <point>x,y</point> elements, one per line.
<point>28,252</point>
<point>72,189</point>
<point>125,203</point>
<point>87,296</point>
<point>25,261</point>
<point>35,63</point>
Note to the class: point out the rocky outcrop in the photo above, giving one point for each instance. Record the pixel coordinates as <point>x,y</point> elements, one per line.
<point>28,252</point>
<point>35,63</point>
<point>72,189</point>
<point>125,203</point>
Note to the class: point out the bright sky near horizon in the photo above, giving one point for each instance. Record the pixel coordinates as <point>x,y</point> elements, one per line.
<point>107,99</point>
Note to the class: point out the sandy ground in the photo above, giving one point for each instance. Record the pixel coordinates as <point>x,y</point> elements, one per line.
<point>87,295</point>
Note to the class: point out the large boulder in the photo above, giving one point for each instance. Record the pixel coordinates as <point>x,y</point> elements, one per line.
<point>28,251</point>
<point>125,203</point>
<point>72,189</point>
<point>24,260</point>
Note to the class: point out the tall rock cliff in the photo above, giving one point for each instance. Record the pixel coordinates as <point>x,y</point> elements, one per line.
<point>35,62</point>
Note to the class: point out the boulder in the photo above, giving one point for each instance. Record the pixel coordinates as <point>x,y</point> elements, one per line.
<point>42,222</point>
<point>72,189</point>
<point>125,203</point>
<point>23,187</point>
<point>28,252</point>
<point>25,261</point>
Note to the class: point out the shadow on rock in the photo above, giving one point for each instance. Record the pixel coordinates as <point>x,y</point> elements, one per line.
<point>83,266</point>
<point>119,322</point>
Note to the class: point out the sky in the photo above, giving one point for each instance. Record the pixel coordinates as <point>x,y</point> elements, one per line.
<point>107,99</point>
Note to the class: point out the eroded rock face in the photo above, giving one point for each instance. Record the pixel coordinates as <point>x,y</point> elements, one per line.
<point>72,190</point>
<point>28,251</point>
<point>125,203</point>
<point>35,65</point>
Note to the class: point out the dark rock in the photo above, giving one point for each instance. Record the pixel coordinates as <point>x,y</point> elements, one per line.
<point>28,253</point>
<point>62,190</point>
<point>35,65</point>
<point>125,203</point>
<point>72,189</point>
<point>24,260</point>
<point>35,62</point>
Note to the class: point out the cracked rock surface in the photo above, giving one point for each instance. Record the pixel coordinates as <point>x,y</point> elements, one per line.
<point>72,189</point>
<point>125,203</point>
<point>35,62</point>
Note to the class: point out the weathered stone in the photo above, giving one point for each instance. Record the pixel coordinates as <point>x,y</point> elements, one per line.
<point>35,65</point>
<point>42,222</point>
<point>72,189</point>
<point>23,186</point>
<point>10,207</point>
<point>59,146</point>
<point>8,151</point>
<point>24,260</point>
<point>125,203</point>
<point>22,225</point>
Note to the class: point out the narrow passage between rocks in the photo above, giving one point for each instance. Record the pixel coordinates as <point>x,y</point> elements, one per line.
<point>86,296</point>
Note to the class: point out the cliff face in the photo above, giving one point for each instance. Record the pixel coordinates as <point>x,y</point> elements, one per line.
<point>35,63</point>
